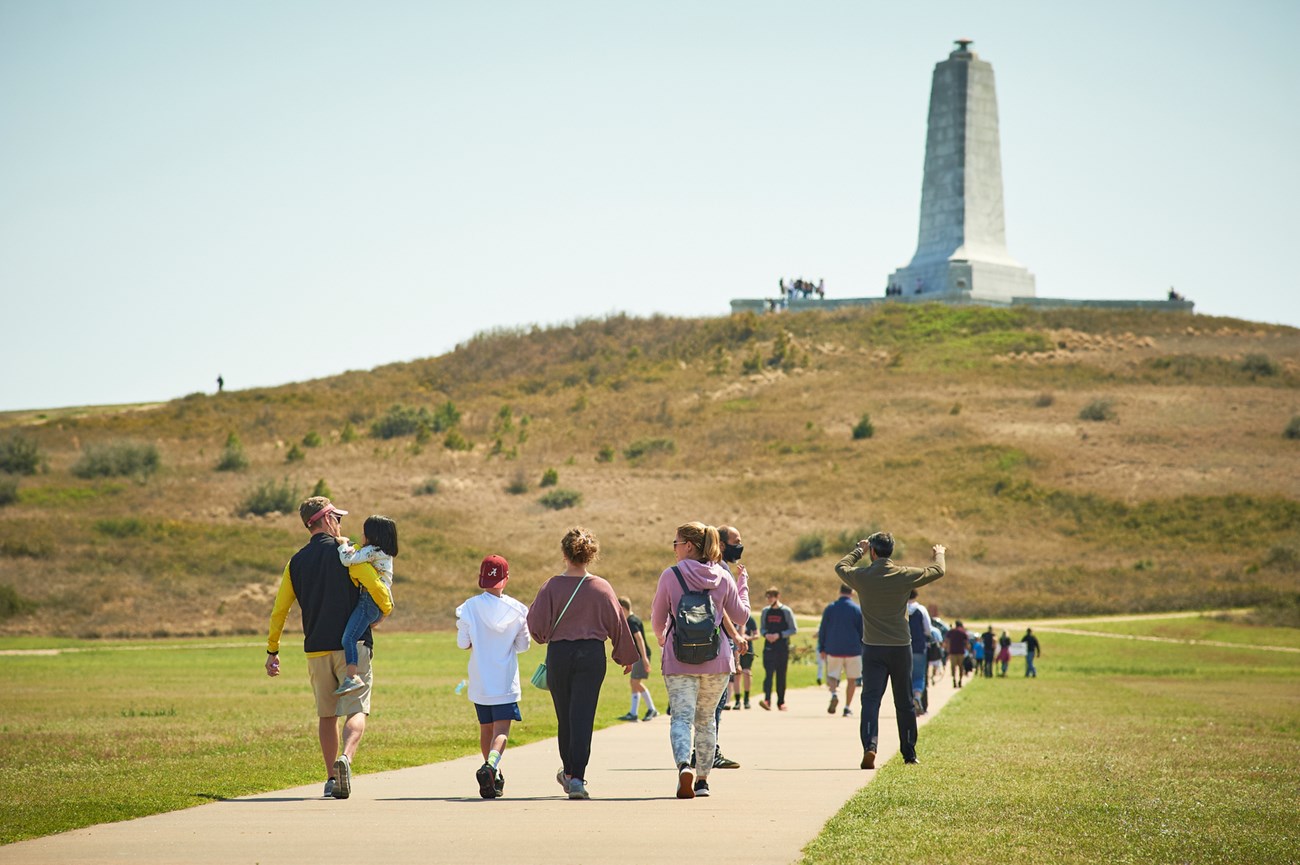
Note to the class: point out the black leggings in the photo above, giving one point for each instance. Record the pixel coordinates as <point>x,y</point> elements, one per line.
<point>776,659</point>
<point>575,670</point>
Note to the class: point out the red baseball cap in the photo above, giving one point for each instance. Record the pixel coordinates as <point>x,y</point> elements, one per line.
<point>493,572</point>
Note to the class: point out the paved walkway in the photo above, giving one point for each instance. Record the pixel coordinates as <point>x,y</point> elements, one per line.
<point>797,770</point>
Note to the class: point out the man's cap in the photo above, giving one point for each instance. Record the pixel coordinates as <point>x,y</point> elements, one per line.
<point>317,508</point>
<point>493,572</point>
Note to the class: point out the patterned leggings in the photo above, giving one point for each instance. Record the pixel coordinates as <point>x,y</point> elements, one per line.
<point>694,700</point>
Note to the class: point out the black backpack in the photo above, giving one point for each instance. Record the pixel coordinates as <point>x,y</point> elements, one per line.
<point>696,633</point>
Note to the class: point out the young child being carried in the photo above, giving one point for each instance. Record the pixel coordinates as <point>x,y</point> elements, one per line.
<point>494,627</point>
<point>378,547</point>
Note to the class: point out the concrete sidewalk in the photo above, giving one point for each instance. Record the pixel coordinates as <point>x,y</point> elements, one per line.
<point>797,769</point>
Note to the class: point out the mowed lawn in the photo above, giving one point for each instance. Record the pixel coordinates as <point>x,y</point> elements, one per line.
<point>1119,751</point>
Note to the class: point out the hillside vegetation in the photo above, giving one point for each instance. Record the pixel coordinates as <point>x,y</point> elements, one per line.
<point>1073,462</point>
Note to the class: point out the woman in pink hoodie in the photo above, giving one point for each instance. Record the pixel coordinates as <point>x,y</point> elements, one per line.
<point>694,689</point>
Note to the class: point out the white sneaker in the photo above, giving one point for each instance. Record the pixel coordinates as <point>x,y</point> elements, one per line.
<point>350,684</point>
<point>343,768</point>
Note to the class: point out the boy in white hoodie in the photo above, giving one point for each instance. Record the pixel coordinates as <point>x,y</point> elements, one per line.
<point>494,627</point>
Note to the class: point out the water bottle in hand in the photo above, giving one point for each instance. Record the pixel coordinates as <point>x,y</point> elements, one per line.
<point>460,689</point>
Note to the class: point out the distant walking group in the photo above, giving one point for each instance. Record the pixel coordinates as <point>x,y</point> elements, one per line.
<point>344,591</point>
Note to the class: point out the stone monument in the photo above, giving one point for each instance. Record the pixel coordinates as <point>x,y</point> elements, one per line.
<point>961,250</point>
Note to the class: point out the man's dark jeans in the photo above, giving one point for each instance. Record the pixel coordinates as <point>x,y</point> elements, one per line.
<point>892,663</point>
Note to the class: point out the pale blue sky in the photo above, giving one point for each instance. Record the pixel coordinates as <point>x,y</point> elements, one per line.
<point>277,191</point>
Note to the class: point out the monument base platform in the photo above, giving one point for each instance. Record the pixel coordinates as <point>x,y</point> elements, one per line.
<point>758,304</point>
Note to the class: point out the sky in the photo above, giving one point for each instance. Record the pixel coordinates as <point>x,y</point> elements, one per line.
<point>275,192</point>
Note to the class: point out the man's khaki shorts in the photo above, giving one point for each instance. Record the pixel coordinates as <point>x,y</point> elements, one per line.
<point>955,660</point>
<point>843,666</point>
<point>327,671</point>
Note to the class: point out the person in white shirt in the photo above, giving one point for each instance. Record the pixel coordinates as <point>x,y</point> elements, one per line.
<point>494,627</point>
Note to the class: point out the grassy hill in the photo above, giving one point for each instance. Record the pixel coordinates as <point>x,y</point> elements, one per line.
<point>1072,461</point>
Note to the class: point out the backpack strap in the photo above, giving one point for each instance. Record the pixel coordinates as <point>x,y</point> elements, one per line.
<point>672,622</point>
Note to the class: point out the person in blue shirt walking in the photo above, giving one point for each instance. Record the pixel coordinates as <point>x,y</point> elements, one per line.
<point>839,645</point>
<point>919,624</point>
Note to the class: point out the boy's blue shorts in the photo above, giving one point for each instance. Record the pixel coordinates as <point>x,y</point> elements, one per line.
<point>499,712</point>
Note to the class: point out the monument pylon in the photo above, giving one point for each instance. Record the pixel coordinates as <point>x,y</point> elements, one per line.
<point>961,250</point>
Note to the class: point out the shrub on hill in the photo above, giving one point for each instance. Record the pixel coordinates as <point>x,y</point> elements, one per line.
<point>311,440</point>
<point>457,442</point>
<point>1257,365</point>
<point>8,490</point>
<point>559,499</point>
<point>1292,430</point>
<point>1044,400</point>
<point>321,489</point>
<point>403,420</point>
<point>428,488</point>
<point>1097,410</point>
<point>13,604</point>
<point>648,446</point>
<point>270,497</point>
<point>605,454</point>
<point>518,485</point>
<point>550,478</point>
<point>807,547</point>
<point>232,458</point>
<point>864,428</point>
<point>118,459</point>
<point>295,455</point>
<point>19,455</point>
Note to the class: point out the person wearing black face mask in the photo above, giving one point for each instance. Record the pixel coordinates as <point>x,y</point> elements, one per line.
<point>732,547</point>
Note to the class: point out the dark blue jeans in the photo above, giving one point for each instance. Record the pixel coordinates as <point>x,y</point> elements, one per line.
<point>892,664</point>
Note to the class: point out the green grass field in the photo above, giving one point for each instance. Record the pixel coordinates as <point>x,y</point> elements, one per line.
<point>1118,752</point>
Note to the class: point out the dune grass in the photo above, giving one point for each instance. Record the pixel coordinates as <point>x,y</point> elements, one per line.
<point>1118,752</point>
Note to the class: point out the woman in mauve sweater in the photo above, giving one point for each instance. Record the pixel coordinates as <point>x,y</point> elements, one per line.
<point>575,650</point>
<point>694,689</point>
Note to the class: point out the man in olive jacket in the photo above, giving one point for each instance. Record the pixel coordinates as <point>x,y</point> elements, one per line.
<point>883,588</point>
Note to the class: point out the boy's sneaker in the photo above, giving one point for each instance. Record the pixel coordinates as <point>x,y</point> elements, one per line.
<point>737,706</point>
<point>765,705</point>
<point>343,769</point>
<point>848,712</point>
<point>746,702</point>
<point>630,716</point>
<point>650,713</point>
<point>578,789</point>
<point>685,783</point>
<point>487,782</point>
<point>701,788</point>
<point>726,707</point>
<point>781,706</point>
<point>721,762</point>
<point>329,788</point>
<point>350,684</point>
<point>500,784</point>
<point>835,702</point>
<point>561,780</point>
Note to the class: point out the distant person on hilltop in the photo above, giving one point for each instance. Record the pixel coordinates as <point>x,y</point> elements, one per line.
<point>221,384</point>
<point>326,592</point>
<point>883,588</point>
<point>494,627</point>
<point>1032,650</point>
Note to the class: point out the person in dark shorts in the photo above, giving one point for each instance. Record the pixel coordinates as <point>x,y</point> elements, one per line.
<point>641,669</point>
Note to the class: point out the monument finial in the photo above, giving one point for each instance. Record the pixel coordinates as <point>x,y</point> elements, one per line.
<point>963,44</point>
